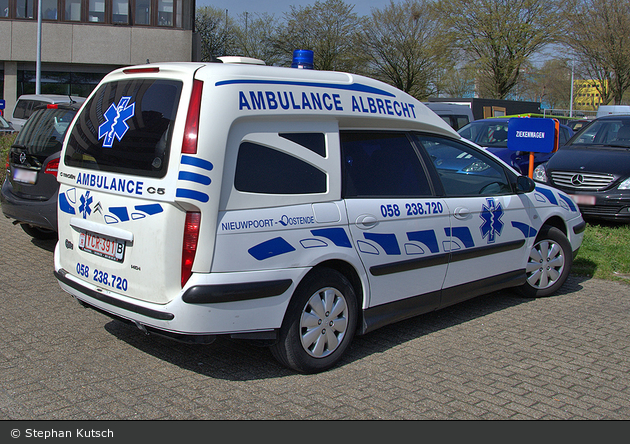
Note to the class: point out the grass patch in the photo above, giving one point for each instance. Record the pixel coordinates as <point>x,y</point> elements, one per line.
<point>605,252</point>
<point>5,144</point>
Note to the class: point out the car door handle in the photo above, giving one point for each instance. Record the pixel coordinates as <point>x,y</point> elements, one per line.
<point>366,221</point>
<point>461,213</point>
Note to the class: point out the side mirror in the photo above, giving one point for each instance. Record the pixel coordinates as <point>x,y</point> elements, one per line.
<point>525,184</point>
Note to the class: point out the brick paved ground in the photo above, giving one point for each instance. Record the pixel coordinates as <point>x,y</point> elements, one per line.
<point>495,357</point>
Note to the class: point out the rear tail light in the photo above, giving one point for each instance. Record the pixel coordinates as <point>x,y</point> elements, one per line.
<point>152,69</point>
<point>8,165</point>
<point>189,145</point>
<point>191,236</point>
<point>52,106</point>
<point>52,167</point>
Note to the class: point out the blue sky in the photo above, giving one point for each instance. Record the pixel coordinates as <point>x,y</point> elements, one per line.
<point>278,7</point>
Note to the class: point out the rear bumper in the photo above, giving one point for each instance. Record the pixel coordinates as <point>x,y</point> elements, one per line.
<point>246,305</point>
<point>34,212</point>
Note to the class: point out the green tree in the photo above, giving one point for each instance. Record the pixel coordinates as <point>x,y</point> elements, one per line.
<point>551,83</point>
<point>403,47</point>
<point>217,33</point>
<point>327,28</point>
<point>599,35</point>
<point>255,37</point>
<point>500,36</point>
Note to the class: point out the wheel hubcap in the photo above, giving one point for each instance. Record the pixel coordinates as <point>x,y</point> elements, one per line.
<point>324,322</point>
<point>545,265</point>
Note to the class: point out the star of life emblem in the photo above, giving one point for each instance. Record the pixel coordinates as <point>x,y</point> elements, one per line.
<point>115,125</point>
<point>492,223</point>
<point>86,201</point>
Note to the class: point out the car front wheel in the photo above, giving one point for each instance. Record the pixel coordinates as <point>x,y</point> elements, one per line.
<point>319,324</point>
<point>549,263</point>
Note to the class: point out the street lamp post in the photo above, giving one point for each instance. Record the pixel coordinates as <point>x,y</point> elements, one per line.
<point>38,63</point>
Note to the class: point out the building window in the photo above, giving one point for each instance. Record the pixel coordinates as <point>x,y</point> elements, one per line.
<point>143,12</point>
<point>162,13</point>
<point>165,13</point>
<point>120,11</point>
<point>72,11</point>
<point>24,9</point>
<point>96,11</point>
<point>49,9</point>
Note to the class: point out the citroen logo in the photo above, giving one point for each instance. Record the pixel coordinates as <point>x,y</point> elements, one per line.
<point>22,157</point>
<point>577,180</point>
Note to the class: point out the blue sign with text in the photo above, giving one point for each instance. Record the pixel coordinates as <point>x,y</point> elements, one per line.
<point>531,134</point>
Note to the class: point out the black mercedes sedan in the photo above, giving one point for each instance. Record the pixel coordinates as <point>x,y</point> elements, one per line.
<point>594,169</point>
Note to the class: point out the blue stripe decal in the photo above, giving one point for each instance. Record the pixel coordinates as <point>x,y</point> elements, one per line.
<point>120,212</point>
<point>150,209</point>
<point>194,177</point>
<point>337,235</point>
<point>357,87</point>
<point>196,161</point>
<point>270,248</point>
<point>568,201</point>
<point>192,194</point>
<point>387,241</point>
<point>463,234</point>
<point>64,205</point>
<point>548,194</point>
<point>526,229</point>
<point>426,237</point>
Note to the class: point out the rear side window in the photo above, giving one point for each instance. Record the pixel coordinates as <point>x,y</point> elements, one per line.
<point>126,127</point>
<point>43,133</point>
<point>381,164</point>
<point>264,170</point>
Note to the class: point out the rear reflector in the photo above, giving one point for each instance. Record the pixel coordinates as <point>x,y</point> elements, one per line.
<point>52,167</point>
<point>189,248</point>
<point>189,145</point>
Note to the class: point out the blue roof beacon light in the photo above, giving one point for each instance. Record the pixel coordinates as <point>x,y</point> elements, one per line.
<point>302,59</point>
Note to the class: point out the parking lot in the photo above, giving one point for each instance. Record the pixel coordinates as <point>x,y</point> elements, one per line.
<point>495,357</point>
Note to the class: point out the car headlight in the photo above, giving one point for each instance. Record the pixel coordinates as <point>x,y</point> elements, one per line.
<point>476,167</point>
<point>540,173</point>
<point>625,185</point>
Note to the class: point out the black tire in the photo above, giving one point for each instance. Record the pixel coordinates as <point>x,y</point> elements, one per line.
<point>549,263</point>
<point>39,233</point>
<point>319,324</point>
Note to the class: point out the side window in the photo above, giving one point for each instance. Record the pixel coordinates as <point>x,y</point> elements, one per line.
<point>563,136</point>
<point>381,164</point>
<point>20,109</point>
<point>264,170</point>
<point>461,121</point>
<point>313,141</point>
<point>463,170</point>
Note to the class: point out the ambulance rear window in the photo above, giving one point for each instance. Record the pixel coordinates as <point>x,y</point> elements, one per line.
<point>126,127</point>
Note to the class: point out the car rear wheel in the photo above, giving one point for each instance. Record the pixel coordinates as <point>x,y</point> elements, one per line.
<point>319,324</point>
<point>39,233</point>
<point>549,263</point>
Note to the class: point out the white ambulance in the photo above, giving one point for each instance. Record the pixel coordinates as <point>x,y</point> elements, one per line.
<point>293,207</point>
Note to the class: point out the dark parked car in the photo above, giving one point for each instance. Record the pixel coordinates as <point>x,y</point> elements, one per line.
<point>5,127</point>
<point>594,168</point>
<point>492,134</point>
<point>29,192</point>
<point>577,125</point>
